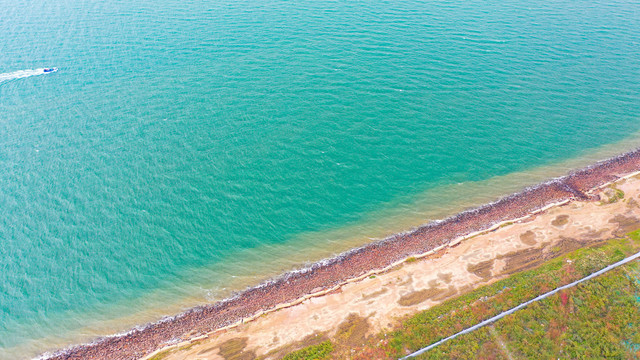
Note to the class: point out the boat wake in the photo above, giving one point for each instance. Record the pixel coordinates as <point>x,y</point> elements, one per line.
<point>25,73</point>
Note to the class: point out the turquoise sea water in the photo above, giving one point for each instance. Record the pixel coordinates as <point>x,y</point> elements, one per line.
<point>184,145</point>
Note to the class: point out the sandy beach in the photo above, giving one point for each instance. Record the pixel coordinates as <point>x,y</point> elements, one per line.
<point>376,284</point>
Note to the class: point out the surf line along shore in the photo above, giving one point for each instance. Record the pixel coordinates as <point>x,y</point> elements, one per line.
<point>294,287</point>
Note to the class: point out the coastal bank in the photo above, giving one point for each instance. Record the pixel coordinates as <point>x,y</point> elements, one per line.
<point>485,243</point>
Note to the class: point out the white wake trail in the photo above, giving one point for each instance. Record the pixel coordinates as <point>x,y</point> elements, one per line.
<point>21,74</point>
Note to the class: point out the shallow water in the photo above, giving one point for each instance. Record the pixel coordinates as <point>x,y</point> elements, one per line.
<point>185,150</point>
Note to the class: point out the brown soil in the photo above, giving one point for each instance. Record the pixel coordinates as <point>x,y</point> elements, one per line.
<point>481,269</point>
<point>233,349</point>
<point>528,238</point>
<point>522,260</point>
<point>353,331</point>
<point>625,223</point>
<point>560,220</point>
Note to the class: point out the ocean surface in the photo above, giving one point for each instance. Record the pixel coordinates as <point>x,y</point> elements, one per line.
<point>188,149</point>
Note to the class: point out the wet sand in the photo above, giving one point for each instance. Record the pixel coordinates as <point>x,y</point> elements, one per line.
<point>330,275</point>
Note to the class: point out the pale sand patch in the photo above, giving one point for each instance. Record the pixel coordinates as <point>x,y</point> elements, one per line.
<point>421,284</point>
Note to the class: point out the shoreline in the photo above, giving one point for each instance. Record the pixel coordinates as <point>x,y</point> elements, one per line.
<point>330,274</point>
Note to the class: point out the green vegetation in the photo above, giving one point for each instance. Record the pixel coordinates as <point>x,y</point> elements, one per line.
<point>164,354</point>
<point>314,352</point>
<point>596,319</point>
<point>161,355</point>
<point>508,223</point>
<point>616,195</point>
<point>560,326</point>
<point>410,260</point>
